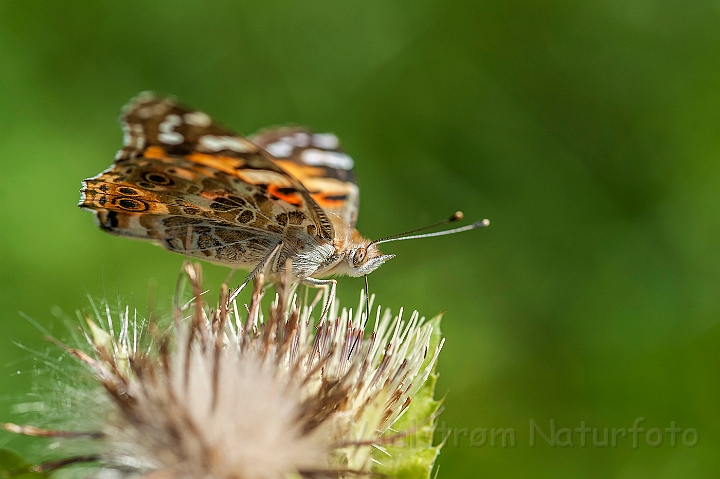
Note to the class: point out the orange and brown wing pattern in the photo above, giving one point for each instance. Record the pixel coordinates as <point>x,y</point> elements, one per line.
<point>321,165</point>
<point>161,198</point>
<point>178,166</point>
<point>155,126</point>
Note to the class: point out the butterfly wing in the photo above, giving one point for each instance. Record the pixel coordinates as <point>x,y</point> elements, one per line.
<point>197,188</point>
<point>321,165</point>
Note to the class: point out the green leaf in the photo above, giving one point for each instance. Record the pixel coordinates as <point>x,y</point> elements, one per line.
<point>413,456</point>
<point>12,465</point>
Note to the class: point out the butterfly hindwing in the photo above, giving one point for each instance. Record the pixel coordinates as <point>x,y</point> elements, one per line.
<point>318,161</point>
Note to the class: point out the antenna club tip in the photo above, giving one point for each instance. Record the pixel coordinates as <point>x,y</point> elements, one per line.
<point>457,216</point>
<point>481,223</point>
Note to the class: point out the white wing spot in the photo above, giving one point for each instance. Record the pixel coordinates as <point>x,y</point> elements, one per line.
<point>330,159</point>
<point>139,137</point>
<point>168,134</point>
<point>197,118</point>
<point>302,139</point>
<point>127,136</point>
<point>279,149</point>
<point>157,109</point>
<point>219,143</point>
<point>326,141</point>
<point>144,112</point>
<point>133,136</point>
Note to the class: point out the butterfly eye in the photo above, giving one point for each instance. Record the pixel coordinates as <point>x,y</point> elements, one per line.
<point>359,256</point>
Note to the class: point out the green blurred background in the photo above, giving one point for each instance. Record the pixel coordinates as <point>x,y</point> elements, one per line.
<point>586,131</point>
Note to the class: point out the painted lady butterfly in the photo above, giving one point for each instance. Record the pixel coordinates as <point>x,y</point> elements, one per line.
<point>197,188</point>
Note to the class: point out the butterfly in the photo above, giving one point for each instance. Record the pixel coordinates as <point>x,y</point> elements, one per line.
<point>183,181</point>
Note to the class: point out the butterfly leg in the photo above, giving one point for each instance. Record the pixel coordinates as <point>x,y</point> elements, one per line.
<point>323,283</point>
<point>260,266</point>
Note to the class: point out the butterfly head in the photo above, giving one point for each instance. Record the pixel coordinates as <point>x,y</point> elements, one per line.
<point>363,259</point>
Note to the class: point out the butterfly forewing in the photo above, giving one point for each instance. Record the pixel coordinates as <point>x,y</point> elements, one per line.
<point>149,121</point>
<point>188,183</point>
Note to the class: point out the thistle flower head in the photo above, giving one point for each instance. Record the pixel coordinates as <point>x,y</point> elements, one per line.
<point>222,394</point>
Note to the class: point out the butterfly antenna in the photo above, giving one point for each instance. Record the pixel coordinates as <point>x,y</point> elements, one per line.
<point>409,234</point>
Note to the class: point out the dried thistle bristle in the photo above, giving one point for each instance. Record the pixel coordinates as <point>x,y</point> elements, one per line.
<point>224,395</point>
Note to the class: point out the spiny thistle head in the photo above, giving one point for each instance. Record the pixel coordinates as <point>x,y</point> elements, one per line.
<point>223,395</point>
